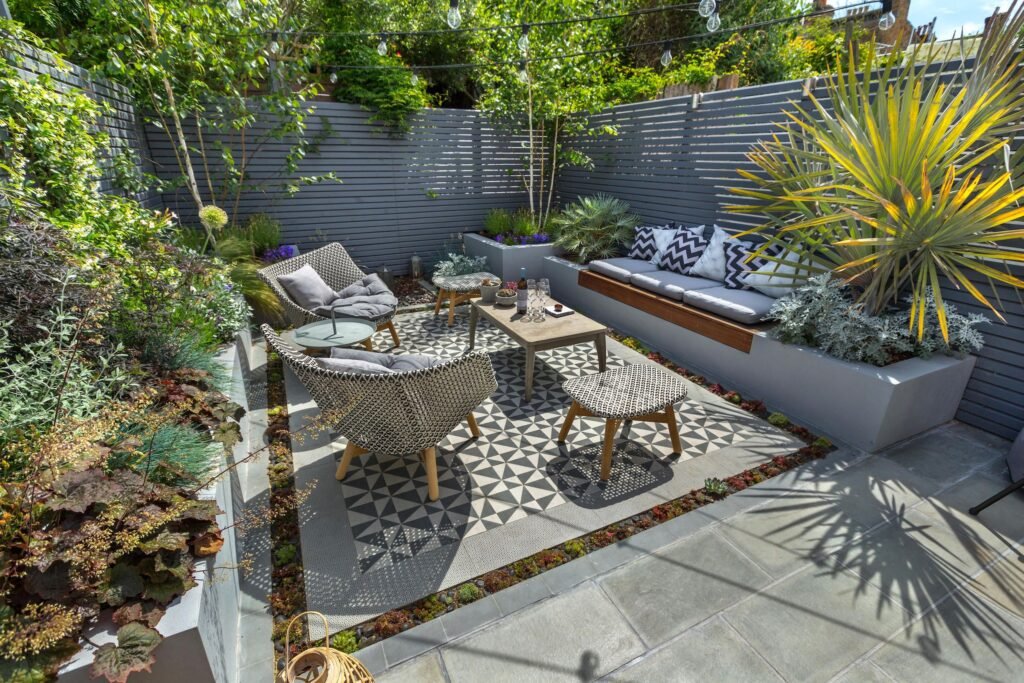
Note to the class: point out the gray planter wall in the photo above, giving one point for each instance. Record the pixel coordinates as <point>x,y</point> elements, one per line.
<point>506,261</point>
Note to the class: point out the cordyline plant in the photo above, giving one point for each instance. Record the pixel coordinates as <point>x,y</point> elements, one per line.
<point>906,182</point>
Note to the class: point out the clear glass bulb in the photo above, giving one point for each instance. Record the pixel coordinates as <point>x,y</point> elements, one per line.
<point>414,79</point>
<point>334,77</point>
<point>714,23</point>
<point>382,47</point>
<point>524,75</point>
<point>275,47</point>
<point>524,43</point>
<point>454,15</point>
<point>706,7</point>
<point>235,8</point>
<point>666,57</point>
<point>887,21</point>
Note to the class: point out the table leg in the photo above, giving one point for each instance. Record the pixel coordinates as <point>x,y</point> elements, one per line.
<point>602,352</point>
<point>530,359</point>
<point>474,315</point>
<point>451,307</point>
<point>440,298</point>
<point>606,451</point>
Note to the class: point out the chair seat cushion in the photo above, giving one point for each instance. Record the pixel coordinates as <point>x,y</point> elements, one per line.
<point>404,362</point>
<point>353,366</point>
<point>368,298</point>
<point>672,285</point>
<point>307,288</point>
<point>742,305</point>
<point>622,268</point>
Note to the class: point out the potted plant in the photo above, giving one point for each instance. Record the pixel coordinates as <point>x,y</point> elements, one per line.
<point>594,228</point>
<point>506,296</point>
<point>488,290</point>
<point>511,241</point>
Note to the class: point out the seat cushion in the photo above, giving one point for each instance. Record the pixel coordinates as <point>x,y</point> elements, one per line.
<point>622,268</point>
<point>405,362</point>
<point>742,305</point>
<point>368,298</point>
<point>779,278</point>
<point>307,288</point>
<point>353,366</point>
<point>672,285</point>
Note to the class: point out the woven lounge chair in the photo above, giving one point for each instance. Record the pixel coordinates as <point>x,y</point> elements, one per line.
<point>337,269</point>
<point>396,413</point>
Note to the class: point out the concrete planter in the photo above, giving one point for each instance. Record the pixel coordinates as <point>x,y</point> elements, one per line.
<point>504,260</point>
<point>852,403</point>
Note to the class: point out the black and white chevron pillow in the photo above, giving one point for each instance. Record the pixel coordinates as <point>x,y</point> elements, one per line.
<point>644,247</point>
<point>684,250</point>
<point>737,265</point>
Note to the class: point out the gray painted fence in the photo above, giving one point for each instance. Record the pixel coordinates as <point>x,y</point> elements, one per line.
<point>397,196</point>
<point>120,119</point>
<point>672,162</point>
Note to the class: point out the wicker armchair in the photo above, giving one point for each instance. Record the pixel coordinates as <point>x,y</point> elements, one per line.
<point>337,269</point>
<point>394,414</point>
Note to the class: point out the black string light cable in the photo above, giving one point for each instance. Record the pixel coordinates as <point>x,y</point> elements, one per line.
<point>667,44</point>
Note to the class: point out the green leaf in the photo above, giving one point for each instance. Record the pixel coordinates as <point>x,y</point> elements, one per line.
<point>165,540</point>
<point>124,582</point>
<point>133,653</point>
<point>77,491</point>
<point>165,591</point>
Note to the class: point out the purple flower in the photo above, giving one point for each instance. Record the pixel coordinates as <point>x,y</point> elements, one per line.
<point>280,253</point>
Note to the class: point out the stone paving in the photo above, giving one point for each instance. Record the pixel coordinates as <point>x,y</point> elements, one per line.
<point>855,568</point>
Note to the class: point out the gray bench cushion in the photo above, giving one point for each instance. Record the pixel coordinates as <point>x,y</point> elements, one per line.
<point>672,285</point>
<point>622,268</point>
<point>742,305</point>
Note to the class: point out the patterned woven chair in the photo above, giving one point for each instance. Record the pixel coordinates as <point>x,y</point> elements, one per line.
<point>337,269</point>
<point>398,413</point>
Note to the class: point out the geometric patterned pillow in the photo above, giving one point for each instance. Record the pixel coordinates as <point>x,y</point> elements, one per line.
<point>737,265</point>
<point>644,247</point>
<point>683,251</point>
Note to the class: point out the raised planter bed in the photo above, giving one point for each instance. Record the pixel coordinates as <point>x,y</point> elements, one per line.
<point>505,260</point>
<point>853,403</point>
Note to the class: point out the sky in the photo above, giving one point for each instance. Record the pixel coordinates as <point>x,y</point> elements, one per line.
<point>951,15</point>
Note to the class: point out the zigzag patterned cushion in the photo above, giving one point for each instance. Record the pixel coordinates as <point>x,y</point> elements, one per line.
<point>644,247</point>
<point>737,265</point>
<point>684,251</point>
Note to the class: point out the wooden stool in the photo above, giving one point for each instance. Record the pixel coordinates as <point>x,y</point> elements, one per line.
<point>642,392</point>
<point>458,289</point>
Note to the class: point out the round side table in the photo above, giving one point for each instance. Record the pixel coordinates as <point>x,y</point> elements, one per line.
<point>458,289</point>
<point>327,334</point>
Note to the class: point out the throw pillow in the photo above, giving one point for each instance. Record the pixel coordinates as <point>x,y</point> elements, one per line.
<point>711,263</point>
<point>738,262</point>
<point>684,251</point>
<point>644,247</point>
<point>779,279</point>
<point>306,287</point>
<point>662,238</point>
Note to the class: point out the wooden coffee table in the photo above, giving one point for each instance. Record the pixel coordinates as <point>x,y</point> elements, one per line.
<point>552,333</point>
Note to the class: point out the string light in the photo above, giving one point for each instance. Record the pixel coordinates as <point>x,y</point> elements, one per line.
<point>714,23</point>
<point>524,75</point>
<point>235,8</point>
<point>414,79</point>
<point>524,39</point>
<point>706,8</point>
<point>666,54</point>
<point>382,46</point>
<point>333,78</point>
<point>454,16</point>
<point>888,19</point>
<point>274,46</point>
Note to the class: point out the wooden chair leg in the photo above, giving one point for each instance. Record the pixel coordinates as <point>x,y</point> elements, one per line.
<point>673,429</point>
<point>394,333</point>
<point>567,425</point>
<point>610,426</point>
<point>440,298</point>
<point>351,451</point>
<point>368,344</point>
<point>451,308</point>
<point>430,462</point>
<point>474,429</point>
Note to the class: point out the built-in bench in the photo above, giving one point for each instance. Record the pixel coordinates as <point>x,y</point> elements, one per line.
<point>733,334</point>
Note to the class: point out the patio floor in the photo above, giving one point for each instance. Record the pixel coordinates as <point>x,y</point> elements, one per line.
<point>374,542</point>
<point>855,568</point>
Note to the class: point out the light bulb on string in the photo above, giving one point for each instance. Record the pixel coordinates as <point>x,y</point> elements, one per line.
<point>333,78</point>
<point>666,55</point>
<point>714,23</point>
<point>234,8</point>
<point>414,79</point>
<point>706,7</point>
<point>274,46</point>
<point>524,75</point>
<point>382,46</point>
<point>886,21</point>
<point>524,39</point>
<point>454,16</point>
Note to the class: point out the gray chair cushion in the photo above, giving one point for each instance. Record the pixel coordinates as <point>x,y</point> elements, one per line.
<point>306,288</point>
<point>405,362</point>
<point>742,305</point>
<point>672,285</point>
<point>368,298</point>
<point>622,268</point>
<point>353,366</point>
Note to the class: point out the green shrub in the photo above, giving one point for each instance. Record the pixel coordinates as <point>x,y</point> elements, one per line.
<point>497,222</point>
<point>173,454</point>
<point>264,232</point>
<point>345,641</point>
<point>778,420</point>
<point>716,487</point>
<point>469,592</point>
<point>285,554</point>
<point>594,228</point>
<point>459,264</point>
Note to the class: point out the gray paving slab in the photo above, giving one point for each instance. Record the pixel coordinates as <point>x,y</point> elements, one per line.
<point>816,623</point>
<point>592,640</point>
<point>425,669</point>
<point>865,672</point>
<point>1005,518</point>
<point>469,618</point>
<point>710,652</point>
<point>413,642</point>
<point>665,593</point>
<point>957,645</point>
<point>1002,582</point>
<point>945,454</point>
<point>522,594</point>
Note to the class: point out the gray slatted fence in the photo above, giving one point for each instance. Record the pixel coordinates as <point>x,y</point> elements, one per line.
<point>675,163</point>
<point>398,195</point>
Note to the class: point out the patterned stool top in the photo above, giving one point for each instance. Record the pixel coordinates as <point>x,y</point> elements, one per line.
<point>626,392</point>
<point>463,283</point>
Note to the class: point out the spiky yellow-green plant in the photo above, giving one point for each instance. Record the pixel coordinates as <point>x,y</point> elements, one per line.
<point>906,181</point>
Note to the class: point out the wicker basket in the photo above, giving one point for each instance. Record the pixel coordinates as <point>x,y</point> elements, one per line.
<point>320,664</point>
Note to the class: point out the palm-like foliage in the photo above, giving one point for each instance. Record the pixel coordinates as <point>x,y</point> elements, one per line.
<point>903,183</point>
<point>594,227</point>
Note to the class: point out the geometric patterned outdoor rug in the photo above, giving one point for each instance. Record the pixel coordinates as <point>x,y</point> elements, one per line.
<point>381,521</point>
